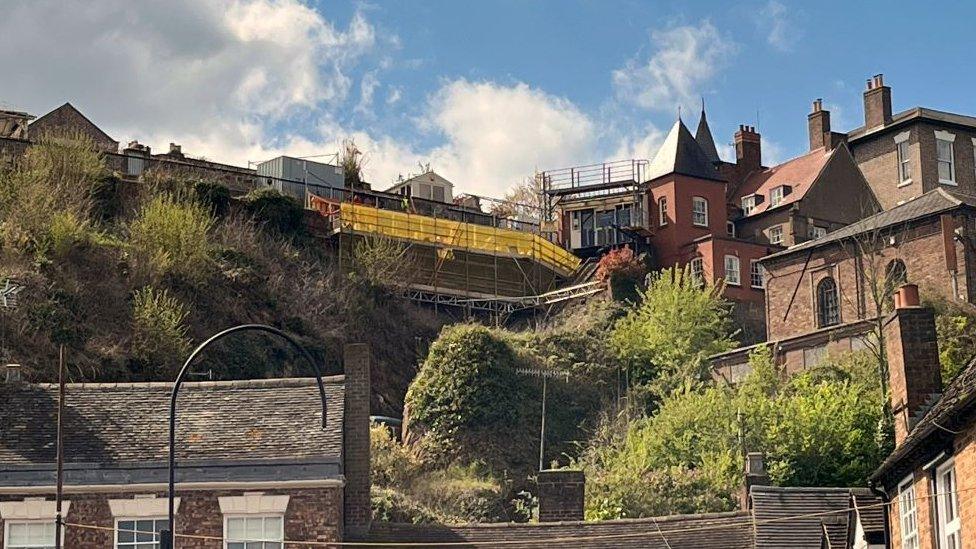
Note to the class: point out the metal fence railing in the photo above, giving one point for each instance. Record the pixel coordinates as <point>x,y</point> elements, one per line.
<point>594,175</point>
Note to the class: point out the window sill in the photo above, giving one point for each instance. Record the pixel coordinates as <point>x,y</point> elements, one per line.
<point>905,183</point>
<point>758,287</point>
<point>736,284</point>
<point>702,225</point>
<point>948,182</point>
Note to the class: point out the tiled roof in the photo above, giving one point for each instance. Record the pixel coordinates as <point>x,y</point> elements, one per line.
<point>703,135</point>
<point>799,173</point>
<point>956,399</point>
<point>681,154</point>
<point>930,203</point>
<point>129,422</point>
<point>705,531</point>
<point>783,515</point>
<point>911,114</point>
<point>871,513</point>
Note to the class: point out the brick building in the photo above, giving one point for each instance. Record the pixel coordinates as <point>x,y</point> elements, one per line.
<point>254,462</point>
<point>929,477</point>
<point>907,154</point>
<point>68,119</point>
<point>688,207</point>
<point>820,297</point>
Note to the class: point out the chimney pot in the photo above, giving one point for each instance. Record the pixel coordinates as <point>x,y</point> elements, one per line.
<point>13,373</point>
<point>907,297</point>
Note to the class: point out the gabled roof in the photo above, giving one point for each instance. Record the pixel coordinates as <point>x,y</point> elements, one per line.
<point>125,425</point>
<point>799,173</point>
<point>681,154</point>
<point>71,111</point>
<point>931,203</point>
<point>958,398</point>
<point>703,135</point>
<point>795,518</point>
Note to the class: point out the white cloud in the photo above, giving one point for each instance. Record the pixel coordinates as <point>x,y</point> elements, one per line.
<point>367,87</point>
<point>774,18</point>
<point>684,60</point>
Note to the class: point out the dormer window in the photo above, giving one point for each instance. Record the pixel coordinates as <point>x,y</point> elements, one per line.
<point>776,195</point>
<point>749,203</point>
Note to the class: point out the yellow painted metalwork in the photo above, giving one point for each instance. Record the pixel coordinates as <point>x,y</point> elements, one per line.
<point>449,234</point>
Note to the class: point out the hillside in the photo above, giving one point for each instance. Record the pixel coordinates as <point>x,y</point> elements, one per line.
<point>128,276</point>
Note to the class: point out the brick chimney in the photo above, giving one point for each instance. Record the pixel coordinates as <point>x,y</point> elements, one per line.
<point>877,102</point>
<point>914,372</point>
<point>175,150</point>
<point>748,152</point>
<point>755,475</point>
<point>355,440</point>
<point>818,125</point>
<point>561,494</point>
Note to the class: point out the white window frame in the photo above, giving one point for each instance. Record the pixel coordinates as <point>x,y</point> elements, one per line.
<point>776,196</point>
<point>698,269</point>
<point>950,535</point>
<point>135,519</point>
<point>748,204</point>
<point>730,228</point>
<point>776,229</point>
<point>756,272</point>
<point>815,231</point>
<point>908,514</point>
<point>6,533</point>
<point>697,213</point>
<point>904,159</point>
<point>662,211</point>
<point>733,270</point>
<point>949,138</point>
<point>229,517</point>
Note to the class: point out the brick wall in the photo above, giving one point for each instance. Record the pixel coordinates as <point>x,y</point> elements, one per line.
<point>913,365</point>
<point>313,514</point>
<point>561,495</point>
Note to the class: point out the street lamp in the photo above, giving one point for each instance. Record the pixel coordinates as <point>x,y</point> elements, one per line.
<point>166,536</point>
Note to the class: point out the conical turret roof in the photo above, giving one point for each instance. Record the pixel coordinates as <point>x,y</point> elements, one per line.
<point>680,153</point>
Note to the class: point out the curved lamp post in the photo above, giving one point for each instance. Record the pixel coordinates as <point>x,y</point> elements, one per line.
<point>166,536</point>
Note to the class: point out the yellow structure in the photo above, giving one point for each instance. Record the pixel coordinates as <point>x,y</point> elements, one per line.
<point>448,234</point>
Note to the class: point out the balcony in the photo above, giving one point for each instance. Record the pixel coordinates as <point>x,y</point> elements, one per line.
<point>593,179</point>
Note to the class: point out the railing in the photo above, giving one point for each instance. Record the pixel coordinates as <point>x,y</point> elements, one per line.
<point>594,175</point>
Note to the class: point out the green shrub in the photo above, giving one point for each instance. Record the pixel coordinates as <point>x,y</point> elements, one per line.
<point>159,340</point>
<point>467,400</point>
<point>391,463</point>
<point>390,505</point>
<point>171,237</point>
<point>276,211</point>
<point>459,494</point>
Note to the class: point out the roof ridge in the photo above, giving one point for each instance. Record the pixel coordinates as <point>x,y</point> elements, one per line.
<point>228,383</point>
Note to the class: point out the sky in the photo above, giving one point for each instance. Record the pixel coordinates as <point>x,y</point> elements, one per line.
<point>486,92</point>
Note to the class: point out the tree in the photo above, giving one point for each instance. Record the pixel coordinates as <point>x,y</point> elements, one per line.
<point>523,202</point>
<point>666,339</point>
<point>815,429</point>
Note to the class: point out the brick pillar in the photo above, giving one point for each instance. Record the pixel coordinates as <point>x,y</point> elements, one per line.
<point>914,372</point>
<point>561,495</point>
<point>355,451</point>
<point>755,475</point>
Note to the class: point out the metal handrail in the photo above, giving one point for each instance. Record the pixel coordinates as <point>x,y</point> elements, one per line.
<point>617,171</point>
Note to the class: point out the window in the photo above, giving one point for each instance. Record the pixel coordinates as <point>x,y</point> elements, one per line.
<point>748,204</point>
<point>254,532</point>
<point>732,270</point>
<point>438,193</point>
<point>142,533</point>
<point>814,231</point>
<point>904,158</point>
<point>623,215</point>
<point>945,156</point>
<point>828,310</point>
<point>776,234</point>
<point>907,514</point>
<point>775,196</point>
<point>699,211</point>
<point>947,506</point>
<point>424,190</point>
<point>575,216</point>
<point>896,276</point>
<point>33,534</point>
<point>662,211</point>
<point>698,270</point>
<point>730,228</point>
<point>756,277</point>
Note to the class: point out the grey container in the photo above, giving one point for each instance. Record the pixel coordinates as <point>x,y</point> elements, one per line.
<point>293,176</point>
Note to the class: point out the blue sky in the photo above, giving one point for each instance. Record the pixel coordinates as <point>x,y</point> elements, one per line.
<point>486,92</point>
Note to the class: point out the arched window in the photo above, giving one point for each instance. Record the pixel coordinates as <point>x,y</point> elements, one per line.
<point>828,304</point>
<point>896,276</point>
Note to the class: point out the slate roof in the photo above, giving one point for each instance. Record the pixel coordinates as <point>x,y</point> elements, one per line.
<point>681,154</point>
<point>912,114</point>
<point>71,110</point>
<point>957,399</point>
<point>705,531</point>
<point>703,135</point>
<point>778,511</point>
<point>931,203</point>
<point>117,425</point>
<point>871,513</point>
<point>799,173</point>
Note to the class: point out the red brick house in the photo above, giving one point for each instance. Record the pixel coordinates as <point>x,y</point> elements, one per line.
<point>929,478</point>
<point>254,463</point>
